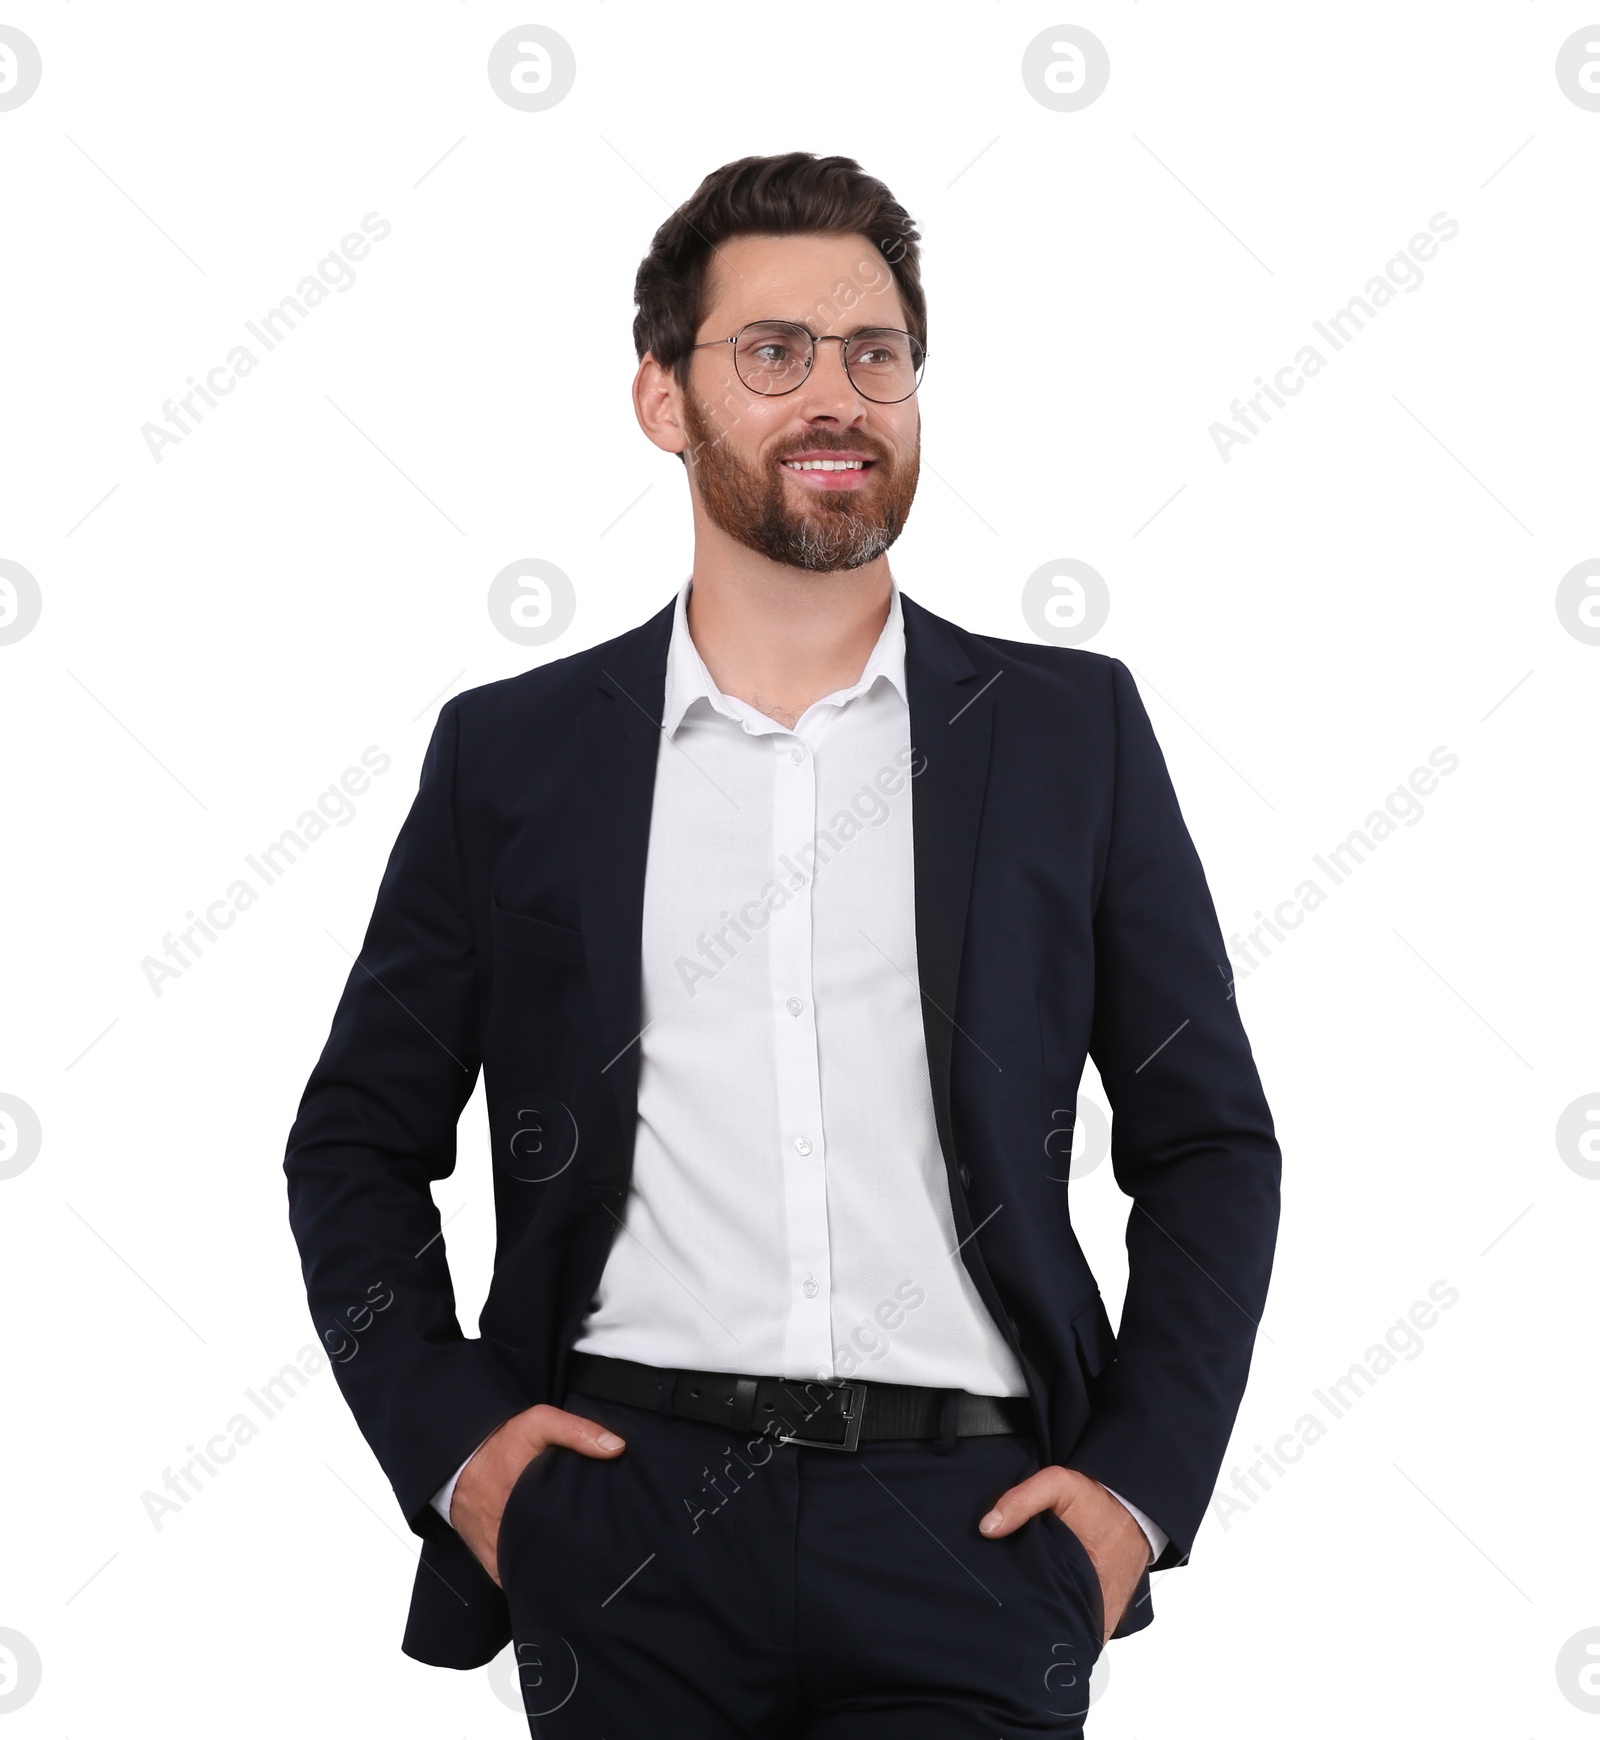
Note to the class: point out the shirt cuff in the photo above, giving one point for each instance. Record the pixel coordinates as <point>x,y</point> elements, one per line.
<point>1153,1531</point>
<point>441,1499</point>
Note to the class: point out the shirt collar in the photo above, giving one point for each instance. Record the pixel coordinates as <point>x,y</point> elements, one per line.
<point>689,681</point>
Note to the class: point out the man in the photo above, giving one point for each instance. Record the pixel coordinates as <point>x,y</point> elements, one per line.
<point>780,927</point>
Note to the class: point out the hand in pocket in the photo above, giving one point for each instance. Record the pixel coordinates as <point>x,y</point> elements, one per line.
<point>479,1500</point>
<point>1117,1547</point>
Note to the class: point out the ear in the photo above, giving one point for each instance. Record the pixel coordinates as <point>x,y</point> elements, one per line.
<point>657,403</point>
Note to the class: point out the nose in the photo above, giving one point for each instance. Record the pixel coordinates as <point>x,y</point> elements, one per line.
<point>828,389</point>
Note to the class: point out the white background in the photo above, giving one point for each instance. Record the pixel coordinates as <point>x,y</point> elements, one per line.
<point>305,575</point>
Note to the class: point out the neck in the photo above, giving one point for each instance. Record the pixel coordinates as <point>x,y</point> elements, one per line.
<point>780,638</point>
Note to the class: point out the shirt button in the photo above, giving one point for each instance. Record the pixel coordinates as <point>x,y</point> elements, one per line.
<point>801,1145</point>
<point>794,1005</point>
<point>810,1288</point>
<point>797,756</point>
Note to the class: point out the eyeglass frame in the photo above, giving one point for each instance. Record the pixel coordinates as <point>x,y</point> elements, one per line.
<point>827,338</point>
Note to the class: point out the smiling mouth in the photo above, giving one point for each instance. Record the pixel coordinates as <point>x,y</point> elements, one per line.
<point>829,473</point>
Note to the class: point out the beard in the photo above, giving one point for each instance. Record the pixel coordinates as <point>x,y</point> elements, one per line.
<point>832,529</point>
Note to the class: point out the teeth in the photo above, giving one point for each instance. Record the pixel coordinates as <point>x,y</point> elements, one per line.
<point>824,464</point>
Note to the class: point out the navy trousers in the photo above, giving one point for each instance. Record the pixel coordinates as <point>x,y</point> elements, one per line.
<point>730,1588</point>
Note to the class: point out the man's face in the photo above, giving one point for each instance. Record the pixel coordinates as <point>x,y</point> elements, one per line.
<point>745,449</point>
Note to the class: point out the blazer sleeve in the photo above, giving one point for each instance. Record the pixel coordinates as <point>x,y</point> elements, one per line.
<point>1192,1143</point>
<point>375,1127</point>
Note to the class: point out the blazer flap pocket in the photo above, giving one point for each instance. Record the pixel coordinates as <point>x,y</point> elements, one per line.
<point>522,930</point>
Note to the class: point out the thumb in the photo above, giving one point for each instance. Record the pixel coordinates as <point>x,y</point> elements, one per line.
<point>1014,1506</point>
<point>574,1432</point>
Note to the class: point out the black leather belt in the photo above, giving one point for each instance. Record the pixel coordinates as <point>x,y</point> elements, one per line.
<point>820,1416</point>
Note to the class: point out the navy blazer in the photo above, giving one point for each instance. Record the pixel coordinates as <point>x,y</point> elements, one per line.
<point>1061,911</point>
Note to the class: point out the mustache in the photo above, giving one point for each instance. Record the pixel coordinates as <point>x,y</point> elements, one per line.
<point>830,443</point>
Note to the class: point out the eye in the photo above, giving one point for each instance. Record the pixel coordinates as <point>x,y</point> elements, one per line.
<point>773,345</point>
<point>882,353</point>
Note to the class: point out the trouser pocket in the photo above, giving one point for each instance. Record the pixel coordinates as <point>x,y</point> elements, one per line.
<point>535,1475</point>
<point>1082,1567</point>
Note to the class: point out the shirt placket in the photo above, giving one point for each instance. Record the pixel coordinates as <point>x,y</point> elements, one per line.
<point>808,1339</point>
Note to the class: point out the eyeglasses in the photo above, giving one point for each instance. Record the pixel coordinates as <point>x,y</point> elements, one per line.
<point>775,356</point>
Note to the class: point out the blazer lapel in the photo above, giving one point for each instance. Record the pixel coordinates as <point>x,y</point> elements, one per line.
<point>619,740</point>
<point>952,704</point>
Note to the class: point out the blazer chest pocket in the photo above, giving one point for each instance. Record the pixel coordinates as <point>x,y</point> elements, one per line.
<point>542,936</point>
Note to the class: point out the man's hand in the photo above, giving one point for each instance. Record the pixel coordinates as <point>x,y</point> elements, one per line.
<point>480,1495</point>
<point>1117,1546</point>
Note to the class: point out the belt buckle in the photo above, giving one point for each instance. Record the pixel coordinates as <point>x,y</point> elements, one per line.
<point>852,1420</point>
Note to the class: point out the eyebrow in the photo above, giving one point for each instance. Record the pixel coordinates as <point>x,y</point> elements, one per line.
<point>855,331</point>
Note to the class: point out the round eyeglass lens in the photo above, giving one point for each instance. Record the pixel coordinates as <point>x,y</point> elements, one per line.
<point>772,356</point>
<point>884,364</point>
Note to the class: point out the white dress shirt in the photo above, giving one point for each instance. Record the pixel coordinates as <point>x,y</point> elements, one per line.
<point>789,1213</point>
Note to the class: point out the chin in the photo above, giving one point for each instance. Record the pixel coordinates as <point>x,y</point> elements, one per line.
<point>828,558</point>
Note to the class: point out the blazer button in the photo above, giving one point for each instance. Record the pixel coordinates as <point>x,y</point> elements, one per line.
<point>966,1177</point>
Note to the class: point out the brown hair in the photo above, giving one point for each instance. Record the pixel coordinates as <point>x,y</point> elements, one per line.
<point>797,193</point>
